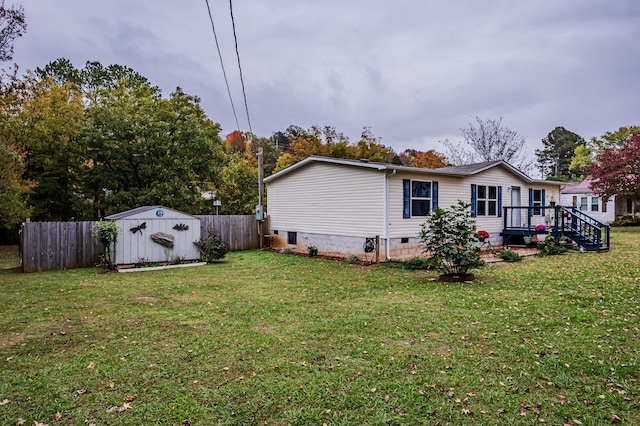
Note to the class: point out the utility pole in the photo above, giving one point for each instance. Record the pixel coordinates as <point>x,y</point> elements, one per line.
<point>260,206</point>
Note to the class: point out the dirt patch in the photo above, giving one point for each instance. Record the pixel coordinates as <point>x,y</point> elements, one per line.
<point>146,299</point>
<point>325,256</point>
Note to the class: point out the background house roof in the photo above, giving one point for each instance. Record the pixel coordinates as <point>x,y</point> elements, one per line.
<point>583,187</point>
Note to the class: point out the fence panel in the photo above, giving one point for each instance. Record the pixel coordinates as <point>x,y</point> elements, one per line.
<point>58,245</point>
<point>47,246</point>
<point>239,232</point>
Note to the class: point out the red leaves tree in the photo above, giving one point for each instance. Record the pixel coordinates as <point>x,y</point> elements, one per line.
<point>617,170</point>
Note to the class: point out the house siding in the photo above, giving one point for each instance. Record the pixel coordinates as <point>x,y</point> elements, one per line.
<point>454,188</point>
<point>328,199</point>
<point>336,206</point>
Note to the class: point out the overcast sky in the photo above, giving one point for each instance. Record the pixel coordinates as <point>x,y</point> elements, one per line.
<point>415,71</point>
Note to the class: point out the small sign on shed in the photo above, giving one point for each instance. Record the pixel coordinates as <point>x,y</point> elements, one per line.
<point>156,234</point>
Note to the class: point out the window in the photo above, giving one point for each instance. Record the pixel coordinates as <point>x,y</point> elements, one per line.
<point>595,202</point>
<point>487,201</point>
<point>584,203</point>
<point>537,202</point>
<point>420,198</point>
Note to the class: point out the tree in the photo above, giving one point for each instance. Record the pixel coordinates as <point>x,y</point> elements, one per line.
<point>46,130</point>
<point>615,139</point>
<point>147,150</point>
<point>12,26</point>
<point>559,146</point>
<point>238,189</point>
<point>489,140</point>
<point>617,170</point>
<point>425,159</point>
<point>581,161</point>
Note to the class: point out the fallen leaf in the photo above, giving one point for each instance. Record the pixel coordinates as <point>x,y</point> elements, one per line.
<point>21,422</point>
<point>373,389</point>
<point>111,385</point>
<point>35,423</point>
<point>9,358</point>
<point>615,418</point>
<point>58,416</point>
<point>91,365</point>
<point>387,398</point>
<point>81,391</point>
<point>4,402</point>
<point>523,413</point>
<point>130,399</point>
<point>466,411</point>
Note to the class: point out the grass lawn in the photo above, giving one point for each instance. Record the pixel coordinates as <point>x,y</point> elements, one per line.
<point>265,338</point>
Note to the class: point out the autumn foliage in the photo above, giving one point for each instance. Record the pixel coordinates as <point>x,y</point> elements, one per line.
<point>617,170</point>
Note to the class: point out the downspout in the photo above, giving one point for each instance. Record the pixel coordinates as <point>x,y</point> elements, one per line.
<point>387,179</point>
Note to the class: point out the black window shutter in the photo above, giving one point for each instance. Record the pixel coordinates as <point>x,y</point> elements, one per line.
<point>499,201</point>
<point>434,195</point>
<point>406,198</point>
<point>474,199</point>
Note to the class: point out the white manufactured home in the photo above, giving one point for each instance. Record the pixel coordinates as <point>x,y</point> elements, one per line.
<point>336,205</point>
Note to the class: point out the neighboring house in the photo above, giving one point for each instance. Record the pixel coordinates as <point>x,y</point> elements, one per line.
<point>336,204</point>
<point>581,196</point>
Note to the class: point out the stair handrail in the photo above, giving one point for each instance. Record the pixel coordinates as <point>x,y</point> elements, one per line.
<point>589,228</point>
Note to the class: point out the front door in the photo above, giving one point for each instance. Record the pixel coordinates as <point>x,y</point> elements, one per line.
<point>515,202</point>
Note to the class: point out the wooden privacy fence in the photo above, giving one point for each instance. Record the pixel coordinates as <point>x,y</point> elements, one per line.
<point>58,245</point>
<point>46,246</point>
<point>239,232</point>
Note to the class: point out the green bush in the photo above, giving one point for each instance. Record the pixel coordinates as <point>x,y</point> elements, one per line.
<point>313,251</point>
<point>420,263</point>
<point>353,258</point>
<point>286,250</point>
<point>106,233</point>
<point>509,255</point>
<point>448,236</point>
<point>551,250</point>
<point>212,247</point>
<point>626,221</point>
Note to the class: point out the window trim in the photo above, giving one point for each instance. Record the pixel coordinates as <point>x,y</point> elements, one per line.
<point>487,201</point>
<point>413,198</point>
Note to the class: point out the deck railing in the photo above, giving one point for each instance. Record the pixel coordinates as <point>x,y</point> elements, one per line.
<point>559,220</point>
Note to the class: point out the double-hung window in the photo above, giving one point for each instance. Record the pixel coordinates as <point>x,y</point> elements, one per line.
<point>537,202</point>
<point>584,203</point>
<point>420,198</point>
<point>487,201</point>
<point>595,201</point>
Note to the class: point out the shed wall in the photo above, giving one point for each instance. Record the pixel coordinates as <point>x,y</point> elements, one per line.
<point>138,247</point>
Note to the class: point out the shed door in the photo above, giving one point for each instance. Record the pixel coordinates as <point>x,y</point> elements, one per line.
<point>515,202</point>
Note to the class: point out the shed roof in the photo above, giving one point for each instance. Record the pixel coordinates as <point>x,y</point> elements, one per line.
<point>143,209</point>
<point>465,170</point>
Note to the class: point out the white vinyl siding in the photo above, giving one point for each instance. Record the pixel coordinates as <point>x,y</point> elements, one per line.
<point>328,199</point>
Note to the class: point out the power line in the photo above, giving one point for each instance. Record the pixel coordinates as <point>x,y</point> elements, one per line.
<point>233,23</point>
<point>226,81</point>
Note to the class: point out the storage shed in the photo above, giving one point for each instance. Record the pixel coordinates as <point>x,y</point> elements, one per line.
<point>156,234</point>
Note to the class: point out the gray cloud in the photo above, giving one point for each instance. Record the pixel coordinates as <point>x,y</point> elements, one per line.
<point>414,71</point>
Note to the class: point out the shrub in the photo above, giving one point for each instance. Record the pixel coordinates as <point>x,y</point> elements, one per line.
<point>552,249</point>
<point>212,247</point>
<point>286,250</point>
<point>448,237</point>
<point>313,251</point>
<point>353,258</point>
<point>509,255</point>
<point>420,263</point>
<point>107,234</point>
<point>626,221</point>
